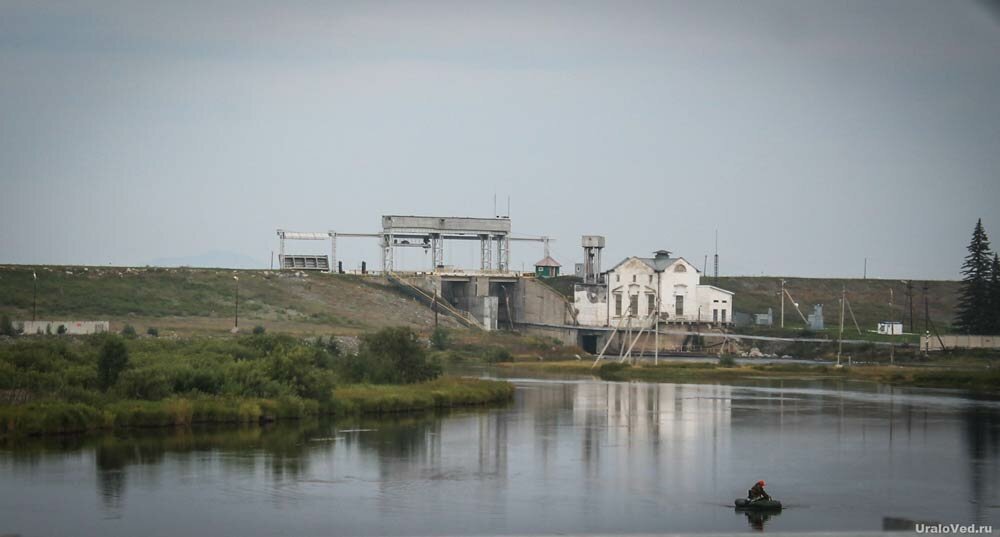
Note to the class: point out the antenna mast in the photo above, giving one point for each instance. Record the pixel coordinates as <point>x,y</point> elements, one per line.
<point>716,255</point>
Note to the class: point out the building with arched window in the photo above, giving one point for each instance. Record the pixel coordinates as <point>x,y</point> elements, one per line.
<point>638,288</point>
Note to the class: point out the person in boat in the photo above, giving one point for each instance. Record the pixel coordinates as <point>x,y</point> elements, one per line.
<point>757,493</point>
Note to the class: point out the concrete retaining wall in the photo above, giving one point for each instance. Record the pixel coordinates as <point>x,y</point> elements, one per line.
<point>931,343</point>
<point>75,328</point>
<point>535,302</point>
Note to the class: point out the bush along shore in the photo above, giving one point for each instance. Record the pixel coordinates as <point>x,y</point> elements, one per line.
<point>981,380</point>
<point>60,385</point>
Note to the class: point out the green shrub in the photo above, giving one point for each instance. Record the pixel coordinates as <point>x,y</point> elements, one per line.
<point>389,356</point>
<point>57,418</point>
<point>498,354</point>
<point>61,330</point>
<point>612,371</point>
<point>331,346</point>
<point>439,339</point>
<point>259,330</point>
<point>113,359</point>
<point>152,331</point>
<point>129,331</point>
<point>151,384</point>
<point>727,361</point>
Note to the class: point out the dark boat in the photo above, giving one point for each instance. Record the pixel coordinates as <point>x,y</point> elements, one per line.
<point>743,504</point>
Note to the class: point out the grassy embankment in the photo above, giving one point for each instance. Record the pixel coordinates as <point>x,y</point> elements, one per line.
<point>57,385</point>
<point>184,301</point>
<point>980,380</point>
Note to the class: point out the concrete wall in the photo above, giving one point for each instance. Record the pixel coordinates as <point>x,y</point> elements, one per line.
<point>76,328</point>
<point>931,343</point>
<point>484,309</point>
<point>591,303</point>
<point>568,336</point>
<point>535,302</point>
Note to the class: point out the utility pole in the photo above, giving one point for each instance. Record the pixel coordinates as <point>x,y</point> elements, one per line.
<point>909,303</point>
<point>236,318</point>
<point>927,314</point>
<point>34,294</point>
<point>656,337</point>
<point>782,303</point>
<point>892,345</point>
<point>840,338</point>
<point>865,276</point>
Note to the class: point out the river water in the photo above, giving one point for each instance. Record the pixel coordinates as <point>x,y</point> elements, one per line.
<point>565,456</point>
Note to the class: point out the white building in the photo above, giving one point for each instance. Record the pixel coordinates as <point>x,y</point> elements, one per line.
<point>634,287</point>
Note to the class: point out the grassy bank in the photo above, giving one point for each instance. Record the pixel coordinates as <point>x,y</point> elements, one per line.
<point>66,385</point>
<point>974,380</point>
<point>68,418</point>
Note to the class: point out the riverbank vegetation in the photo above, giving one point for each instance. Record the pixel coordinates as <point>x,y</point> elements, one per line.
<point>979,380</point>
<point>66,385</point>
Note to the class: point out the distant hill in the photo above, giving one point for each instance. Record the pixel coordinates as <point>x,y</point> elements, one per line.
<point>869,298</point>
<point>190,300</point>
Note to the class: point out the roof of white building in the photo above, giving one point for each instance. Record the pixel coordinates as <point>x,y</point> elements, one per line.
<point>728,292</point>
<point>658,264</point>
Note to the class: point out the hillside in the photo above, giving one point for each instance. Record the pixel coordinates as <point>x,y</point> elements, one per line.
<point>868,298</point>
<point>186,300</point>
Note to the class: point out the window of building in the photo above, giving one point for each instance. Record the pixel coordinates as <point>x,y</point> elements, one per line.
<point>716,301</point>
<point>723,315</point>
<point>680,268</point>
<point>715,316</point>
<point>725,301</point>
<point>650,303</point>
<point>618,305</point>
<point>618,277</point>
<point>679,305</point>
<point>633,305</point>
<point>633,278</point>
<point>650,278</point>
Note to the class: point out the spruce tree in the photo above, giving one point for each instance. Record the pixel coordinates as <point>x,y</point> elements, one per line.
<point>974,315</point>
<point>994,303</point>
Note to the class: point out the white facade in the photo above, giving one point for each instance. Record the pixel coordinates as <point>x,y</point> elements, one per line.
<point>73,328</point>
<point>637,287</point>
<point>890,328</point>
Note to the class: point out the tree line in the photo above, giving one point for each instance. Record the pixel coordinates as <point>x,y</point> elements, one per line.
<point>978,309</point>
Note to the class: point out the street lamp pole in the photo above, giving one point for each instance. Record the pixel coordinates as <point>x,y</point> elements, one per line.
<point>236,319</point>
<point>34,295</point>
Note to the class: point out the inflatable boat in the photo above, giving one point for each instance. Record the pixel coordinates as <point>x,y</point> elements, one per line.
<point>760,505</point>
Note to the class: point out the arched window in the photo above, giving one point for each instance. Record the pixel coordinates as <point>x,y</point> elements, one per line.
<point>680,268</point>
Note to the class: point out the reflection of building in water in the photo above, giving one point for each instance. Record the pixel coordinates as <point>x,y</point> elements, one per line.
<point>668,424</point>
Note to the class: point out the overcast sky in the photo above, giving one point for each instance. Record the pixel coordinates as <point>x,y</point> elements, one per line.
<point>810,134</point>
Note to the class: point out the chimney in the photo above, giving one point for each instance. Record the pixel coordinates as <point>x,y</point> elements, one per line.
<point>661,254</point>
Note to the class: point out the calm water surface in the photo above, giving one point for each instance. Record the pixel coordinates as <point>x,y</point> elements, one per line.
<point>566,456</point>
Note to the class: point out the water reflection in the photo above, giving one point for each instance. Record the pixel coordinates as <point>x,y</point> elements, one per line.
<point>758,519</point>
<point>565,457</point>
<point>982,433</point>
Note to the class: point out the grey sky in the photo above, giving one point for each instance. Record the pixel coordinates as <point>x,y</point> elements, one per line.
<point>811,134</point>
